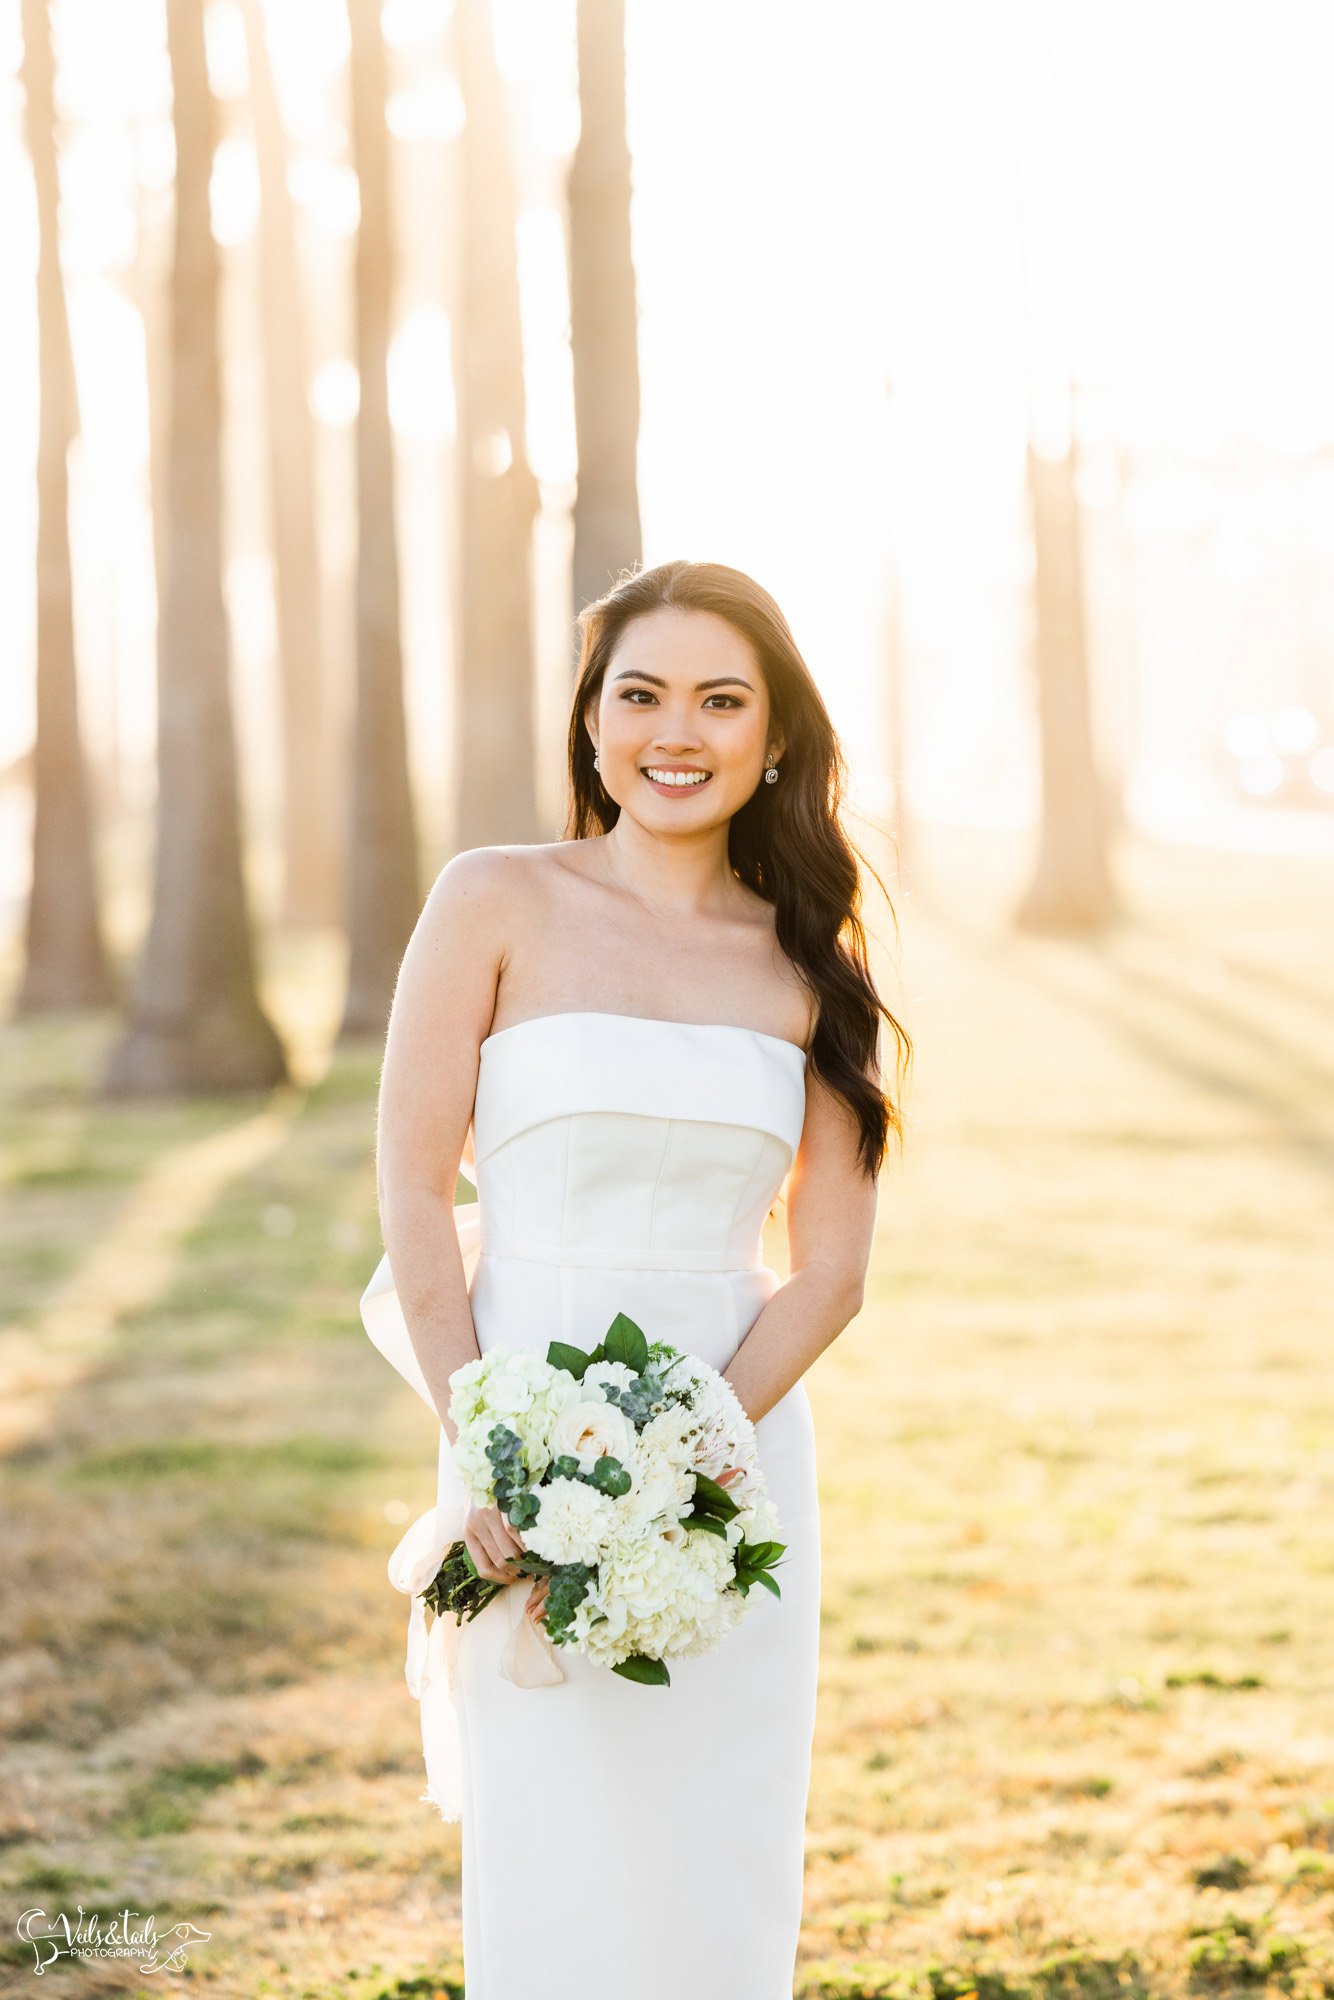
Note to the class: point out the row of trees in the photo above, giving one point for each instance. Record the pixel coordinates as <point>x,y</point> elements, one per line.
<point>193,1017</point>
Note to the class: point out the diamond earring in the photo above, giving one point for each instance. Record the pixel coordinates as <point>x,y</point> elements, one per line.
<point>771,775</point>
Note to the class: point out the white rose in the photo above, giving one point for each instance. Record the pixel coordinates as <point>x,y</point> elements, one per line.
<point>590,1431</point>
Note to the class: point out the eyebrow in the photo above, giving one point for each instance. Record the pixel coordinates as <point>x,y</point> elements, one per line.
<point>720,680</point>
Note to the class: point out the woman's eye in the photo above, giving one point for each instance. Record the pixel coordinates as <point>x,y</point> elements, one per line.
<point>628,694</point>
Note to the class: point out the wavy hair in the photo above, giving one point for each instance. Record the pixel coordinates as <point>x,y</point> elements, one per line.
<point>787,842</point>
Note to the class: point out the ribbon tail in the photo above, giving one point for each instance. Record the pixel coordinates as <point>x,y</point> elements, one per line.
<point>414,1667</point>
<point>529,1658</point>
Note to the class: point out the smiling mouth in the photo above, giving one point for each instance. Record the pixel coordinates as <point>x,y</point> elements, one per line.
<point>675,781</point>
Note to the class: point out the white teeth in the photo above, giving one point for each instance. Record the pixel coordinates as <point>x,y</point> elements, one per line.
<point>677,777</point>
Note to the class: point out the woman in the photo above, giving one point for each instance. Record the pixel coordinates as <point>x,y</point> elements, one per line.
<point>647,1025</point>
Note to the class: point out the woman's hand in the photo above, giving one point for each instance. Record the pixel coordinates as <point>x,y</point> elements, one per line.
<point>536,1606</point>
<point>493,1544</point>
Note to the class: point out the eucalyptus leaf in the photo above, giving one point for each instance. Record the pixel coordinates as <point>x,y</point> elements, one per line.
<point>610,1476</point>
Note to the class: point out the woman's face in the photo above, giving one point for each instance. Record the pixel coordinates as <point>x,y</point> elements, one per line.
<point>683,693</point>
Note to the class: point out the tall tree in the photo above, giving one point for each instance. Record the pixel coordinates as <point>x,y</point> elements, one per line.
<point>1071,887</point>
<point>195,1019</point>
<point>603,312</point>
<point>383,894</point>
<point>497,493</point>
<point>65,964</point>
<point>310,873</point>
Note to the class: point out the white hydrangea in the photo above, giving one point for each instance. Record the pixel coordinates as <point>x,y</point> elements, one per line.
<point>575,1523</point>
<point>512,1387</point>
<point>662,1597</point>
<point>761,1520</point>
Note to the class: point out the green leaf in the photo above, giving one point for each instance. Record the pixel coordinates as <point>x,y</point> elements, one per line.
<point>573,1359</point>
<point>706,1523</point>
<point>609,1476</point>
<point>624,1341</point>
<point>639,1667</point>
<point>711,1498</point>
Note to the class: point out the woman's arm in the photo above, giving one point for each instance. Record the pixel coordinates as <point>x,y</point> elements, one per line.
<point>831,1211</point>
<point>443,1005</point>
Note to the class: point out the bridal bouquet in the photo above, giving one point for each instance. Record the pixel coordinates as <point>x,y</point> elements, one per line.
<point>630,1474</point>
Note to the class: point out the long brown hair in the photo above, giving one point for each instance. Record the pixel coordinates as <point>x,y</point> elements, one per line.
<point>786,842</point>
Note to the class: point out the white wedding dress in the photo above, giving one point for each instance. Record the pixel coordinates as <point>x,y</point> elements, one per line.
<point>623,1842</point>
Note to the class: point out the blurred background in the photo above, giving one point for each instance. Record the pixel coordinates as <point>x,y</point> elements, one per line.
<point>347,350</point>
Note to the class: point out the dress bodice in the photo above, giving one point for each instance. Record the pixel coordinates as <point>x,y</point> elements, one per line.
<point>609,1143</point>
<point>613,1140</point>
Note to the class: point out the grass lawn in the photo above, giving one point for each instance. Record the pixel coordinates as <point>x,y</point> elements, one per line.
<point>1076,1731</point>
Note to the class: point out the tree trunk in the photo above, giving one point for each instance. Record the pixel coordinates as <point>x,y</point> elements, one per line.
<point>603,312</point>
<point>896,722</point>
<point>383,895</point>
<point>1071,888</point>
<point>150,288</point>
<point>196,1023</point>
<point>497,495</point>
<point>65,964</point>
<point>310,875</point>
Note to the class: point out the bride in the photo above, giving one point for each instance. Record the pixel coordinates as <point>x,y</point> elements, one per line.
<point>632,1039</point>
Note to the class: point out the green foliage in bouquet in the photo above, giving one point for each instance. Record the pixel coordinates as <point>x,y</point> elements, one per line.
<point>505,1451</point>
<point>713,1508</point>
<point>755,1562</point>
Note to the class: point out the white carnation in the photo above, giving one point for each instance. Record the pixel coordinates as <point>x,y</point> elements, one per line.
<point>660,1490</point>
<point>575,1523</point>
<point>601,1373</point>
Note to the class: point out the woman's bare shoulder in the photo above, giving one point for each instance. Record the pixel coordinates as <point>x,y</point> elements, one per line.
<point>502,871</point>
<point>496,893</point>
